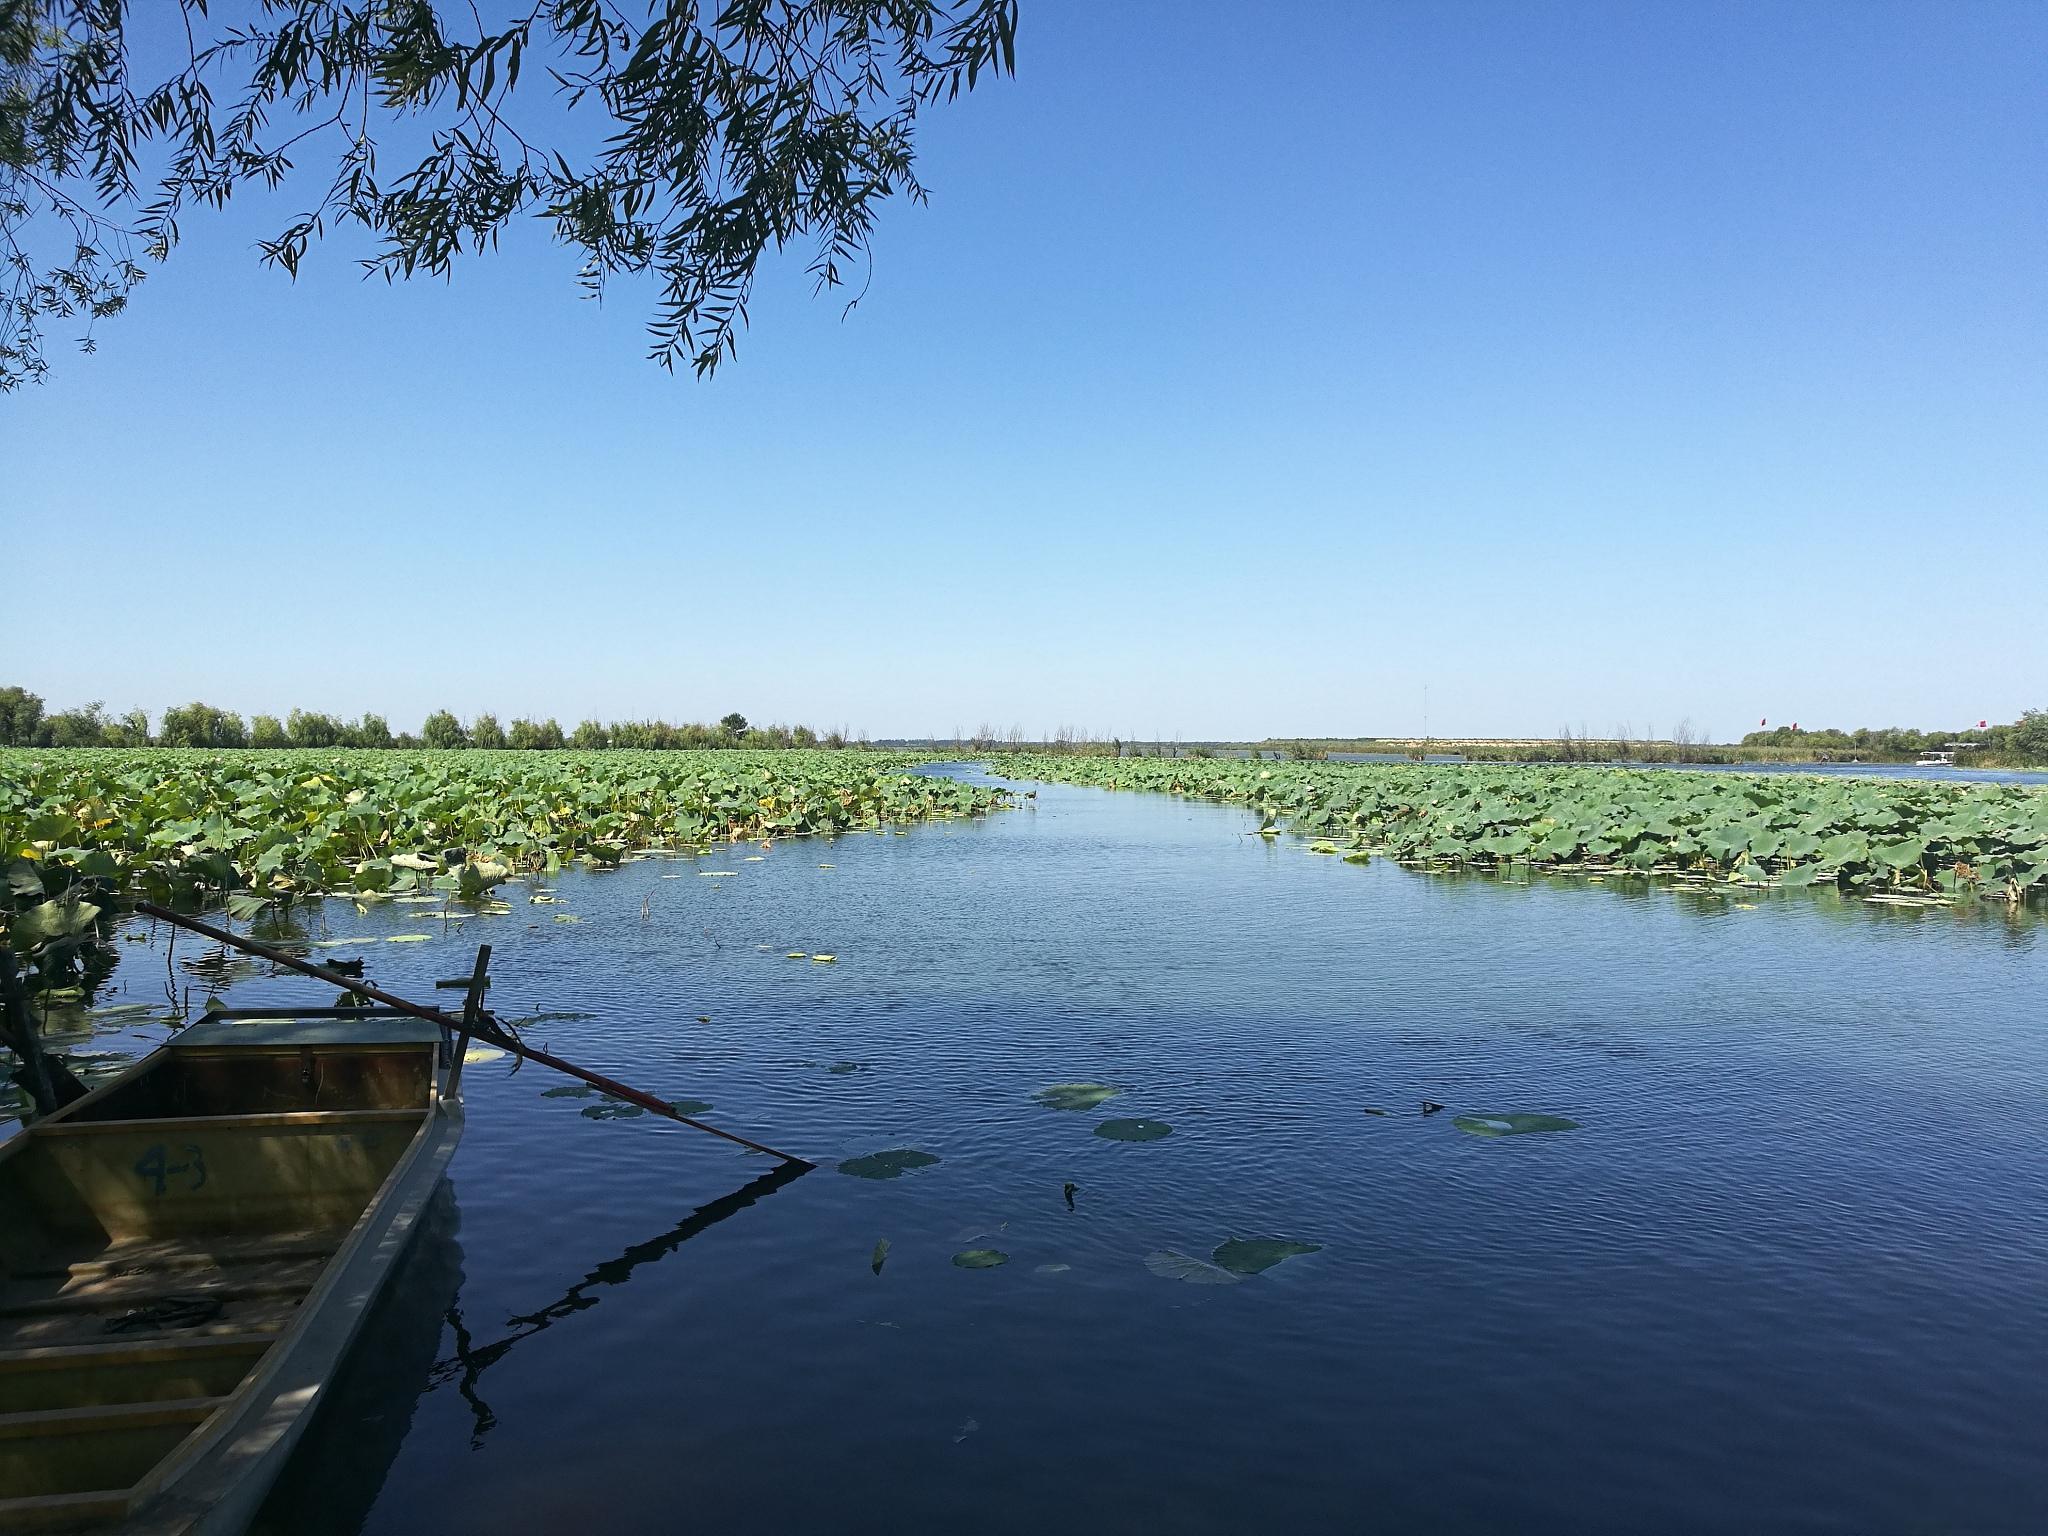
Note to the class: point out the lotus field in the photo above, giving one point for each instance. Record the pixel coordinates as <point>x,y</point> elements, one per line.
<point>302,823</point>
<point>1889,839</point>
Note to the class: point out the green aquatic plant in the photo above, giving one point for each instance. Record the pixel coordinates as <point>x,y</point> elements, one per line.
<point>1172,1264</point>
<point>282,823</point>
<point>980,1258</point>
<point>1133,1130</point>
<point>1942,840</point>
<point>891,1164</point>
<point>1075,1095</point>
<point>1256,1255</point>
<point>1515,1124</point>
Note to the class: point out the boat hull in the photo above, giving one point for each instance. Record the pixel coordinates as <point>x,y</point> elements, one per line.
<point>186,1256</point>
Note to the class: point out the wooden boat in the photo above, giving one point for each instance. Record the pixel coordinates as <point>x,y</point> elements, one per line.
<point>186,1254</point>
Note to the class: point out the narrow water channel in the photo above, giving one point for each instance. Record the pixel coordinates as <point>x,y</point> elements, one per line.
<point>1785,1274</point>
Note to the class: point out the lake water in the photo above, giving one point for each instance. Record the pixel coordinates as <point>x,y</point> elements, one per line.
<point>1787,1275</point>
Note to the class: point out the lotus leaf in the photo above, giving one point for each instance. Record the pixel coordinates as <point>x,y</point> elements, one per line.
<point>887,1165</point>
<point>1134,1130</point>
<point>1172,1264</point>
<point>1256,1255</point>
<point>1075,1095</point>
<point>1514,1124</point>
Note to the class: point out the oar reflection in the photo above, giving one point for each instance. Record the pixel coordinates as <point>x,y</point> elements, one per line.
<point>470,1360</point>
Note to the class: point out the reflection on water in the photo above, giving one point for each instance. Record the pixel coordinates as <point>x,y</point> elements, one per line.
<point>340,1465</point>
<point>340,1468</point>
<point>464,1369</point>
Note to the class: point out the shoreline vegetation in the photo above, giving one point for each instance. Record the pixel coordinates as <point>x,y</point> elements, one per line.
<point>244,826</point>
<point>178,822</point>
<point>24,723</point>
<point>1912,841</point>
<point>84,831</point>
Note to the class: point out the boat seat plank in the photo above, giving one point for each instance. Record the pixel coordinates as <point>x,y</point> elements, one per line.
<point>73,1421</point>
<point>63,1511</point>
<point>79,1188</point>
<point>240,1315</point>
<point>114,1293</point>
<point>80,1450</point>
<point>130,1351</point>
<point>270,1120</point>
<point>196,1251</point>
<point>86,1375</point>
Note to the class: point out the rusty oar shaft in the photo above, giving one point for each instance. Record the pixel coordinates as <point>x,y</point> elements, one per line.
<point>484,1028</point>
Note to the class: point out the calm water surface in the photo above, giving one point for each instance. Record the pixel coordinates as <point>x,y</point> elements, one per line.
<point>1787,1277</point>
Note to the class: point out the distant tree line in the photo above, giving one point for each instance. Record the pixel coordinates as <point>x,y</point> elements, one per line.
<point>24,723</point>
<point>2026,738</point>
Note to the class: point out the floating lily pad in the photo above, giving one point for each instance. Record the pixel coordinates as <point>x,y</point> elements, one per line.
<point>408,938</point>
<point>1256,1255</point>
<point>845,1068</point>
<point>824,959</point>
<point>1052,1269</point>
<point>567,917</point>
<point>881,1256</point>
<point>1075,1095</point>
<point>612,1111</point>
<point>1134,1130</point>
<point>482,1053</point>
<point>887,1165</point>
<point>689,1106</point>
<point>114,1013</point>
<point>568,1091</point>
<point>1512,1124</point>
<point>1171,1264</point>
<point>798,954</point>
<point>980,1258</point>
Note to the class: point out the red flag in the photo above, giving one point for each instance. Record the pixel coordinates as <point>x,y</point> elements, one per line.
<point>1982,723</point>
<point>1764,721</point>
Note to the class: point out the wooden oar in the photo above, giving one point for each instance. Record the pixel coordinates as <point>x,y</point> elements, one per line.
<point>483,1025</point>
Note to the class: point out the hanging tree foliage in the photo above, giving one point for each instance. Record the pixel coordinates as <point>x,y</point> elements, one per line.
<point>684,141</point>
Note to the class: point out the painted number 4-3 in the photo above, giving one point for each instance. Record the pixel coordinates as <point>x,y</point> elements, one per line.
<point>157,1170</point>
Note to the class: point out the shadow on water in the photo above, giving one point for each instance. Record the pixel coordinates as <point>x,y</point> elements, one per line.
<point>466,1366</point>
<point>336,1475</point>
<point>331,1481</point>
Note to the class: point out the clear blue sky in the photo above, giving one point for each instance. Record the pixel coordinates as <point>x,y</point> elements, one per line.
<point>1252,369</point>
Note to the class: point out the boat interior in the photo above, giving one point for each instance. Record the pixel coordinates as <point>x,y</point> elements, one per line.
<point>160,1236</point>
